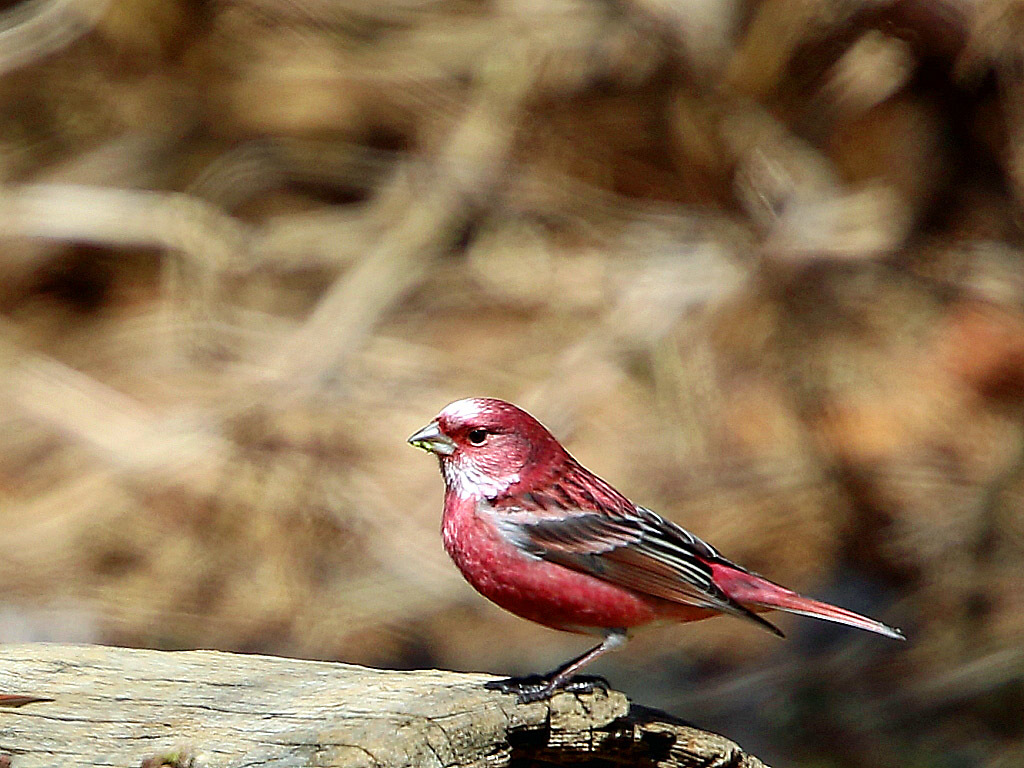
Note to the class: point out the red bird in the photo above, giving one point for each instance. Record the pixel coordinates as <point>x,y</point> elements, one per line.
<point>535,532</point>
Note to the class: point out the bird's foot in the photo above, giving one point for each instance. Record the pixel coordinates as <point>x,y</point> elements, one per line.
<point>533,688</point>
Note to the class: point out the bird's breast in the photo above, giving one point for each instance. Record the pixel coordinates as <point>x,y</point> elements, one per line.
<point>535,589</point>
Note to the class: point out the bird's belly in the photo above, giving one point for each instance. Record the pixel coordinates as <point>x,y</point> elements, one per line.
<point>541,591</point>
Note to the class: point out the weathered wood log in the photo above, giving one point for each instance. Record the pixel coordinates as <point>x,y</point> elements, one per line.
<point>192,709</point>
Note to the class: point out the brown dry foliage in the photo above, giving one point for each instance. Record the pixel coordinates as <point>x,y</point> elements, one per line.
<point>758,263</point>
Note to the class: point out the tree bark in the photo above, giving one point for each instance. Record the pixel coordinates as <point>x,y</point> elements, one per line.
<point>120,707</point>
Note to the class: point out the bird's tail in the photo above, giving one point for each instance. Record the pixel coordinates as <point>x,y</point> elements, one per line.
<point>754,591</point>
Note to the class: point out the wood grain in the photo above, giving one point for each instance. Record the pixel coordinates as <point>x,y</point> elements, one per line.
<point>121,707</point>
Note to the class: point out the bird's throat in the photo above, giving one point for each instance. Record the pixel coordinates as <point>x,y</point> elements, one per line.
<point>463,478</point>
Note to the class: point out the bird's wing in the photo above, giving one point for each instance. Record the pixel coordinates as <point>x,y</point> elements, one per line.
<point>640,551</point>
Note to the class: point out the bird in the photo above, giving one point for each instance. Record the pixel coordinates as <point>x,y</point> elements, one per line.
<point>540,535</point>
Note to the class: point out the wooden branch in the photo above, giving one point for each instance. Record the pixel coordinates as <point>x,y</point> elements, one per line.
<point>114,706</point>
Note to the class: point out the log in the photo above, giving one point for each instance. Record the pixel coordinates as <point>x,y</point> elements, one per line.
<point>207,709</point>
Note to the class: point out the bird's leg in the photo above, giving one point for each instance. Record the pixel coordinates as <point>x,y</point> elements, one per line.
<point>540,687</point>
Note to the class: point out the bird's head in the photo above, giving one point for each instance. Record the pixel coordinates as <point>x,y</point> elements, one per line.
<point>487,446</point>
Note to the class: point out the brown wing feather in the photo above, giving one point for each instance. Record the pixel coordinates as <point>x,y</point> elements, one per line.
<point>642,552</point>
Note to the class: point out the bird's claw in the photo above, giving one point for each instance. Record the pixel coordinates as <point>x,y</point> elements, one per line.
<point>533,688</point>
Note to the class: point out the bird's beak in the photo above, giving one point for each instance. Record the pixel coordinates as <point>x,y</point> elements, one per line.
<point>431,439</point>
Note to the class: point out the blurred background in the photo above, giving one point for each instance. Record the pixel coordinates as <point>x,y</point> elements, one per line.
<point>757,263</point>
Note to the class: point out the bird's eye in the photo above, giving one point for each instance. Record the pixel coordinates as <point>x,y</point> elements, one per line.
<point>477,436</point>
